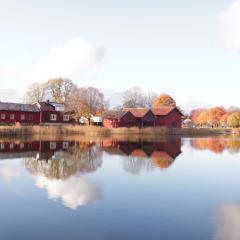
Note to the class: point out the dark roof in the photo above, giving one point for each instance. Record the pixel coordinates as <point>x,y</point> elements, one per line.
<point>18,107</point>
<point>113,114</point>
<point>44,106</point>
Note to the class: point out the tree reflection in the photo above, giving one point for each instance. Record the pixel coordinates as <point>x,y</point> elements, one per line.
<point>57,173</point>
<point>82,157</point>
<point>217,145</point>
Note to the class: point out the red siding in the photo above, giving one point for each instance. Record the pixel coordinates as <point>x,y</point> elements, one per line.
<point>46,117</point>
<point>30,117</point>
<point>173,119</point>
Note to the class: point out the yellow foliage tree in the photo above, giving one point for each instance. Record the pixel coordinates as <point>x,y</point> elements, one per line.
<point>164,100</point>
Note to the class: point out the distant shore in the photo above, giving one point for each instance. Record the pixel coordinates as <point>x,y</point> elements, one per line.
<point>92,131</point>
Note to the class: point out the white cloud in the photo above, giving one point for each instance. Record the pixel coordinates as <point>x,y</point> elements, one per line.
<point>229,22</point>
<point>68,61</point>
<point>9,172</point>
<point>74,191</point>
<point>228,223</point>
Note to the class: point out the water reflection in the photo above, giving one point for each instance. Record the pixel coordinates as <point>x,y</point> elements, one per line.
<point>74,191</point>
<point>61,167</point>
<point>144,155</point>
<point>217,145</point>
<point>228,221</point>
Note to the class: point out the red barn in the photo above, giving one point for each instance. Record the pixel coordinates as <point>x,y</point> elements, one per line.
<point>52,113</point>
<point>11,113</point>
<point>170,117</point>
<point>141,117</point>
<point>33,114</point>
<point>114,119</point>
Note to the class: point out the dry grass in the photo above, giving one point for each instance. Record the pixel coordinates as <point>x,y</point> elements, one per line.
<point>93,132</point>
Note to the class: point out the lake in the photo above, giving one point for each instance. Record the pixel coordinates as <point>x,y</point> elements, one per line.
<point>167,189</point>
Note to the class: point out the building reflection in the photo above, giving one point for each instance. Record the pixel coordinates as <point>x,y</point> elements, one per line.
<point>56,166</point>
<point>144,155</point>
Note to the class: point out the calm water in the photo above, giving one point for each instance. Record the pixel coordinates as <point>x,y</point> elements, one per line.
<point>171,189</point>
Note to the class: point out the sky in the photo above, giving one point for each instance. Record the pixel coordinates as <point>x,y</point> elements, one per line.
<point>189,49</point>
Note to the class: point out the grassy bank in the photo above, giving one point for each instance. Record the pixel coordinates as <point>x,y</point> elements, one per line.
<point>90,131</point>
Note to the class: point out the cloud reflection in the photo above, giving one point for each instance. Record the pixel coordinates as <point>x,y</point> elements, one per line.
<point>228,221</point>
<point>74,191</point>
<point>9,172</point>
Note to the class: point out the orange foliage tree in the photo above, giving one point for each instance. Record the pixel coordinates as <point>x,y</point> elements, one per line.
<point>164,100</point>
<point>214,116</point>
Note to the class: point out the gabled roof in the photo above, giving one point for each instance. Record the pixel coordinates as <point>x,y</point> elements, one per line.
<point>137,112</point>
<point>140,112</point>
<point>44,106</point>
<point>114,114</point>
<point>18,107</point>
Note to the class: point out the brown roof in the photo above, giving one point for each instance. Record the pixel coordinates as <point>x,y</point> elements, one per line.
<point>162,111</point>
<point>140,112</point>
<point>137,112</point>
<point>138,153</point>
<point>113,114</point>
<point>18,107</point>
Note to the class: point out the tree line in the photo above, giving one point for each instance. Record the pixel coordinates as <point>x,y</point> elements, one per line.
<point>89,101</point>
<point>216,117</point>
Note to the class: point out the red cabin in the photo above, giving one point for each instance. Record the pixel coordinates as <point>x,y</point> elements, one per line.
<point>33,114</point>
<point>141,117</point>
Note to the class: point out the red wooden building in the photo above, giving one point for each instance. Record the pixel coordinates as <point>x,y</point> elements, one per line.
<point>141,117</point>
<point>33,114</point>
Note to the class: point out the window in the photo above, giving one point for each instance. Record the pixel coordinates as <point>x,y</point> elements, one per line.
<point>12,116</point>
<point>21,145</point>
<point>2,146</point>
<point>53,117</point>
<point>65,145</point>
<point>22,117</point>
<point>3,116</point>
<point>53,145</point>
<point>65,118</point>
<point>11,145</point>
<point>30,117</point>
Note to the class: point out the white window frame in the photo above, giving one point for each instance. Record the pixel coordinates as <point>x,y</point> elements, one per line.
<point>53,117</point>
<point>11,146</point>
<point>21,145</point>
<point>3,116</point>
<point>22,117</point>
<point>53,145</point>
<point>2,146</point>
<point>66,118</point>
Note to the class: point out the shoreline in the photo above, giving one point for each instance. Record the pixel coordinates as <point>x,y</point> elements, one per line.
<point>96,131</point>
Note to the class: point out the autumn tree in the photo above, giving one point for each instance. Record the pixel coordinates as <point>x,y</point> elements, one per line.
<point>59,89</point>
<point>234,120</point>
<point>36,92</point>
<point>164,100</point>
<point>56,90</point>
<point>86,101</point>
<point>214,115</point>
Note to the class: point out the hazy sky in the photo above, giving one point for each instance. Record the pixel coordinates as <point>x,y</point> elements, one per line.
<point>188,48</point>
